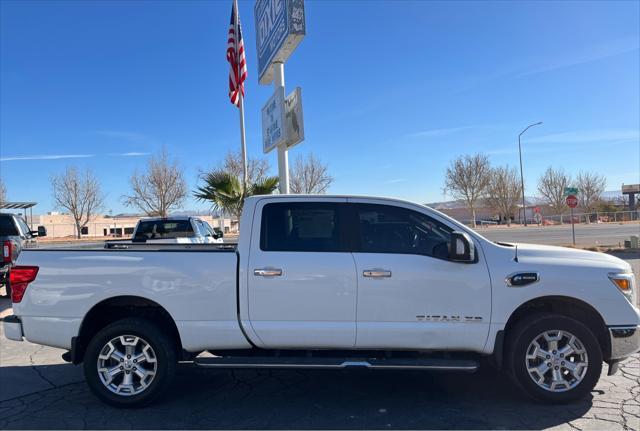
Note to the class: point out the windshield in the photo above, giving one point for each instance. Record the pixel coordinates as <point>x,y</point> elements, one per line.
<point>163,229</point>
<point>24,227</point>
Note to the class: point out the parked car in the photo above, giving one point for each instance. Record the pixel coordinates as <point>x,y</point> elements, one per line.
<point>14,236</point>
<point>180,230</point>
<point>331,282</point>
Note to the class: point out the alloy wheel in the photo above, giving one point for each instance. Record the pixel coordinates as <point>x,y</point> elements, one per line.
<point>556,360</point>
<point>127,365</point>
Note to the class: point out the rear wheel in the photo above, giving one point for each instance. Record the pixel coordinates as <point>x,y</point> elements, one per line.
<point>554,358</point>
<point>129,363</point>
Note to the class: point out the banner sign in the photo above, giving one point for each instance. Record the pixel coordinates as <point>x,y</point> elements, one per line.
<point>280,26</point>
<point>273,121</point>
<point>293,117</point>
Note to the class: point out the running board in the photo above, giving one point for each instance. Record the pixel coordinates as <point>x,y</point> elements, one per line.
<point>464,365</point>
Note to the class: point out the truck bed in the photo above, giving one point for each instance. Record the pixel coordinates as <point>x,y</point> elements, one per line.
<point>198,290</point>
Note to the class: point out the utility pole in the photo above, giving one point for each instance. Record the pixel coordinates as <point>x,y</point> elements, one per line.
<point>524,205</point>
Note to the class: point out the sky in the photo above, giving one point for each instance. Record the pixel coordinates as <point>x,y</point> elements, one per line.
<point>392,91</point>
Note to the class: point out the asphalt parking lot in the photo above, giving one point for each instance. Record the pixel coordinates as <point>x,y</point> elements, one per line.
<point>587,235</point>
<point>39,391</point>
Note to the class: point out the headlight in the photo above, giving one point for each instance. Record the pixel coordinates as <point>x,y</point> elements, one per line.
<point>626,283</point>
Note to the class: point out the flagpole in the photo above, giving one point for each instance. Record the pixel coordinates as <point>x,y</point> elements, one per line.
<point>244,145</point>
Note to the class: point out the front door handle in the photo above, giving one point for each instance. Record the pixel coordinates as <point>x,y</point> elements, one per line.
<point>376,273</point>
<point>267,272</point>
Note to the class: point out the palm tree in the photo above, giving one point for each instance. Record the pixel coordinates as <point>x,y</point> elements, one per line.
<point>224,190</point>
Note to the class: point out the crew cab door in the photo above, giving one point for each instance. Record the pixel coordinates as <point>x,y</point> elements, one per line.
<point>301,276</point>
<point>410,296</point>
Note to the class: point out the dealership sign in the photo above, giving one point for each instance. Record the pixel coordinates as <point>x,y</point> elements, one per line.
<point>273,121</point>
<point>280,26</point>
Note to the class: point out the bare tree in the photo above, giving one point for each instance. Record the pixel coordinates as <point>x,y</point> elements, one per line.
<point>160,189</point>
<point>590,187</point>
<point>3,192</point>
<point>467,178</point>
<point>78,193</point>
<point>503,192</point>
<point>257,168</point>
<point>309,176</point>
<point>551,187</point>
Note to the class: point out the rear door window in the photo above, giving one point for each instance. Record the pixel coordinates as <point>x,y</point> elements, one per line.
<point>164,229</point>
<point>304,226</point>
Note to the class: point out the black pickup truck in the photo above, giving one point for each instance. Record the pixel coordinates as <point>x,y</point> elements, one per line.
<point>14,236</point>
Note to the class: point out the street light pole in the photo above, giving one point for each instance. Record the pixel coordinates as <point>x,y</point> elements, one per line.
<point>524,205</point>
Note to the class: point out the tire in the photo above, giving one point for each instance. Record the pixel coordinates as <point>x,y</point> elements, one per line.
<point>157,363</point>
<point>528,365</point>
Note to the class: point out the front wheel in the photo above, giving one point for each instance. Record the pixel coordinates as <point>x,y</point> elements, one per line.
<point>129,363</point>
<point>554,358</point>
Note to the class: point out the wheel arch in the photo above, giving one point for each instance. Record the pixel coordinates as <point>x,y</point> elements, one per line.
<point>557,304</point>
<point>115,308</point>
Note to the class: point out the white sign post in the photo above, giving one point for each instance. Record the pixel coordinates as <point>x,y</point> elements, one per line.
<point>280,26</point>
<point>283,156</point>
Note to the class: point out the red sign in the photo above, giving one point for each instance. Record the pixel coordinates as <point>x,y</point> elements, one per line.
<point>572,201</point>
<point>536,209</point>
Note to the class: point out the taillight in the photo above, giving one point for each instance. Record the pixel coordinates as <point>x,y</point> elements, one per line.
<point>7,251</point>
<point>20,277</point>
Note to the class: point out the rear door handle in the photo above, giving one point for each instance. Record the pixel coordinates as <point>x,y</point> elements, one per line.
<point>267,272</point>
<point>376,273</point>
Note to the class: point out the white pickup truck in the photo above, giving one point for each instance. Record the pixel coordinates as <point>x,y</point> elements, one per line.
<point>331,282</point>
<point>170,230</point>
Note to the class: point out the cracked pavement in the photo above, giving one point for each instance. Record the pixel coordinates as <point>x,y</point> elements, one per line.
<point>39,391</point>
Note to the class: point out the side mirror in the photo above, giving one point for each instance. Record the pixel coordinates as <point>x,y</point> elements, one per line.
<point>42,231</point>
<point>461,248</point>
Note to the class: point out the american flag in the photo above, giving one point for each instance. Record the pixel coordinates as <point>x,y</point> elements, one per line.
<point>236,58</point>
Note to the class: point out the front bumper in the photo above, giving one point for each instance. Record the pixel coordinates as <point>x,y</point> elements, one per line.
<point>12,326</point>
<point>625,341</point>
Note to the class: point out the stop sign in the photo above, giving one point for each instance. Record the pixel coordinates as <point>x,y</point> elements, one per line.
<point>572,201</point>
